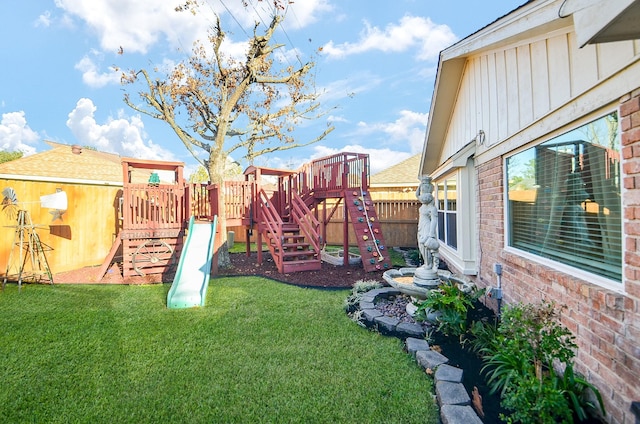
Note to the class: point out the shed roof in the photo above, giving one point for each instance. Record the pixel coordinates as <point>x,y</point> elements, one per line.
<point>69,163</point>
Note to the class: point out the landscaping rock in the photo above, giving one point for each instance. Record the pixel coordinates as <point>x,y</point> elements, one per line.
<point>430,359</point>
<point>387,325</point>
<point>449,393</point>
<point>458,414</point>
<point>407,329</point>
<point>415,344</point>
<point>368,297</point>
<point>446,372</point>
<point>366,305</point>
<point>370,316</point>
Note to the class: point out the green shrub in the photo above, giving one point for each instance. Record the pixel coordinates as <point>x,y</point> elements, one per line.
<point>519,357</point>
<point>452,305</point>
<point>358,291</point>
<point>415,257</point>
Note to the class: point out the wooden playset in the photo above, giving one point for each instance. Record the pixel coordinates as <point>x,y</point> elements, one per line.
<point>285,210</point>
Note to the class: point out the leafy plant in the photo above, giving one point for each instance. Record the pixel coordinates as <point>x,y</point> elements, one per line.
<point>452,303</point>
<point>520,355</point>
<point>414,256</point>
<point>358,291</point>
<point>534,402</point>
<point>577,391</point>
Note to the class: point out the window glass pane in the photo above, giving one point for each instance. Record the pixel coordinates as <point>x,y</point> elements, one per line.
<point>447,195</point>
<point>452,195</point>
<point>441,226</point>
<point>440,193</point>
<point>452,232</point>
<point>564,199</point>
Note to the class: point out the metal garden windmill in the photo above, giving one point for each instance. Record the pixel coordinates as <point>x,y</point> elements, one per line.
<point>27,246</point>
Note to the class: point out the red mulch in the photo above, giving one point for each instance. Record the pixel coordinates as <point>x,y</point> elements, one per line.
<point>330,276</point>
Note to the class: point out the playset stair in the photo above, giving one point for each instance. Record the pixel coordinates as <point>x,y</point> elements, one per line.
<point>295,253</point>
<point>294,242</point>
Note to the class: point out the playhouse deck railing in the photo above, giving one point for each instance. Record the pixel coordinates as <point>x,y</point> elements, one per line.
<point>153,211</point>
<point>330,176</point>
<point>238,201</point>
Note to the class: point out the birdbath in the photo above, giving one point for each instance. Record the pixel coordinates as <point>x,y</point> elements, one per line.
<point>403,280</point>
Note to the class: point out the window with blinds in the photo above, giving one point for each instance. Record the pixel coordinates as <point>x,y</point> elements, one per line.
<point>564,199</point>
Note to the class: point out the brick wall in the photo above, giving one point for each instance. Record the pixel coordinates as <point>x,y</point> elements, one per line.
<point>606,323</point>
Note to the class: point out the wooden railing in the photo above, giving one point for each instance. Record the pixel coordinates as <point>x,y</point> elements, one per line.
<point>272,226</point>
<point>309,225</point>
<point>199,202</point>
<point>147,207</point>
<point>238,200</point>
<point>330,175</point>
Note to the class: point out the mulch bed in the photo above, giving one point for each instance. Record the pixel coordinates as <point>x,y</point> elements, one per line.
<point>330,276</point>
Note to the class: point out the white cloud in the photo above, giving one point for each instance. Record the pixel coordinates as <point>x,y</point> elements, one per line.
<point>15,134</point>
<point>355,84</point>
<point>379,159</point>
<point>44,20</point>
<point>137,25</point>
<point>337,118</point>
<point>302,13</point>
<point>412,32</point>
<point>409,129</point>
<point>92,76</point>
<point>123,135</point>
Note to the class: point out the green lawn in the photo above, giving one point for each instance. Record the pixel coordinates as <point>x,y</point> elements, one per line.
<point>259,352</point>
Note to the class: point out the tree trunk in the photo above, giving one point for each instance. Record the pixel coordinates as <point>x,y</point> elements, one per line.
<point>224,260</point>
<point>216,173</point>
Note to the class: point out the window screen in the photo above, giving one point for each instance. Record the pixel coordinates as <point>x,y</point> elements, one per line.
<point>564,199</point>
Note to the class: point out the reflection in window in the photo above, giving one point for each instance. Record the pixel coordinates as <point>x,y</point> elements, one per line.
<point>447,198</point>
<point>564,199</point>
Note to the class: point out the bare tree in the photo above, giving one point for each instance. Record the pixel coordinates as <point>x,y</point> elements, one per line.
<point>221,106</point>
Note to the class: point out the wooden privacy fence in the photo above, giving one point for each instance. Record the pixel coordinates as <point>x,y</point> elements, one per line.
<point>398,222</point>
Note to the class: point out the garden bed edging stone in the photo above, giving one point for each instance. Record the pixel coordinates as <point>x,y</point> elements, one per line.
<point>452,397</point>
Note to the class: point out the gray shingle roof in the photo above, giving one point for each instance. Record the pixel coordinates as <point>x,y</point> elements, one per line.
<point>402,174</point>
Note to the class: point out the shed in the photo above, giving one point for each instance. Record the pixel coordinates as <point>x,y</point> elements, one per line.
<point>82,234</point>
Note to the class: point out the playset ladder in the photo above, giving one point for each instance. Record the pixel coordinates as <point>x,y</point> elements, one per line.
<point>367,230</point>
<point>27,247</point>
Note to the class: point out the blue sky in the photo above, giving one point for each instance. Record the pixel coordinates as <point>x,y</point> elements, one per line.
<point>376,69</point>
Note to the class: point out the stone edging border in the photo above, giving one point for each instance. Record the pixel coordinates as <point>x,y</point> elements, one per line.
<point>452,397</point>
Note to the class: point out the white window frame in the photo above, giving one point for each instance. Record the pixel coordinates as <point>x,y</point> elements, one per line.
<point>617,286</point>
<point>445,211</point>
<point>462,167</point>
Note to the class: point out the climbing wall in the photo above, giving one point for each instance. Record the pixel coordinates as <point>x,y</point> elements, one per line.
<point>367,231</point>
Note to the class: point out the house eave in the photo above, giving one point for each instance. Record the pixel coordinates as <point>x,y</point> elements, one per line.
<point>594,24</point>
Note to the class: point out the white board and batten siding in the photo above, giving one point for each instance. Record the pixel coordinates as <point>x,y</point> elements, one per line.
<point>509,92</point>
